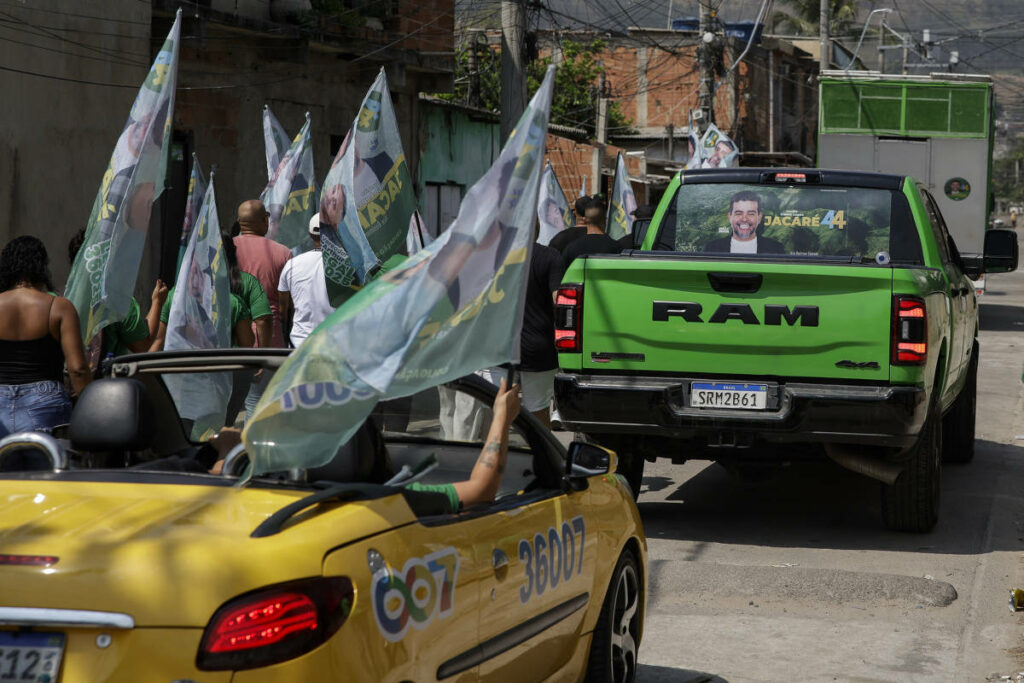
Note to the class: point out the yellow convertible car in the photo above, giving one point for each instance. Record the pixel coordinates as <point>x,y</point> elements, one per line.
<point>122,558</point>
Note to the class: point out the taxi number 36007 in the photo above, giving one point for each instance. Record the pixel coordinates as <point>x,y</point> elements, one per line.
<point>552,557</point>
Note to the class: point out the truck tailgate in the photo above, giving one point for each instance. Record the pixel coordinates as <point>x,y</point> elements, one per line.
<point>683,315</point>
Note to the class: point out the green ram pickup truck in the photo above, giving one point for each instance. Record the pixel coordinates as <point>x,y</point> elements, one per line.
<point>776,315</point>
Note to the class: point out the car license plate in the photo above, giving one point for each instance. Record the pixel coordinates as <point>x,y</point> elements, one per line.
<point>30,656</point>
<point>731,396</point>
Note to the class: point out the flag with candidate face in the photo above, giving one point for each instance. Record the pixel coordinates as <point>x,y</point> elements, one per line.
<point>193,201</point>
<point>290,195</point>
<point>275,141</point>
<point>414,239</point>
<point>717,150</point>
<point>200,318</point>
<point>103,276</point>
<point>620,215</point>
<point>367,199</point>
<point>553,211</point>
<point>452,308</point>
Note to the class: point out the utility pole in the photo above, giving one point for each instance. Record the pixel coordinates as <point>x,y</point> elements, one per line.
<point>826,50</point>
<point>601,132</point>
<point>707,73</point>
<point>473,96</point>
<point>513,71</point>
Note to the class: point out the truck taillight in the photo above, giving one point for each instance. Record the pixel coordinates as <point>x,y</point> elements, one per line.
<point>275,624</point>
<point>909,331</point>
<point>569,319</point>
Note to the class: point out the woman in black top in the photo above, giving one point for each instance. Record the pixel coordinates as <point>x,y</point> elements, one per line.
<point>39,333</point>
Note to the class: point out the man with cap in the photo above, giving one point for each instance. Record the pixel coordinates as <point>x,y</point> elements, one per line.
<point>642,216</point>
<point>302,290</point>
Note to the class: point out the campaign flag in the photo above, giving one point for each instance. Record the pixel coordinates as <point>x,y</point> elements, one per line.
<point>452,308</point>
<point>620,218</point>
<point>194,199</point>
<point>200,318</point>
<point>414,240</point>
<point>367,198</point>
<point>290,195</point>
<point>103,276</point>
<point>693,150</point>
<point>275,141</point>
<point>553,211</point>
<point>717,150</point>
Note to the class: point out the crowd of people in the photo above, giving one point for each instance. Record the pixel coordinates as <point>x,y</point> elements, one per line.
<point>277,300</point>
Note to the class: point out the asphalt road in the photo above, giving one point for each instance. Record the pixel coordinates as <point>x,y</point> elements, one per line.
<point>794,579</point>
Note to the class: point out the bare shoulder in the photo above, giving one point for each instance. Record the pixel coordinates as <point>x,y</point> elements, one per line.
<point>64,307</point>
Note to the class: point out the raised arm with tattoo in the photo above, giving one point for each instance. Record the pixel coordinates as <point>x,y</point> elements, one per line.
<point>485,479</point>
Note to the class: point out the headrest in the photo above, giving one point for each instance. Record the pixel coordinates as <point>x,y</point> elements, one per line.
<point>113,414</point>
<point>362,459</point>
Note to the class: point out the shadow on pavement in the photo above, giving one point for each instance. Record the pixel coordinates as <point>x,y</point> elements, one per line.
<point>647,673</point>
<point>822,505</point>
<point>1000,318</point>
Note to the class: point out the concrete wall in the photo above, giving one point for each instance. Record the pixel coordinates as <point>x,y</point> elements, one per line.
<point>62,115</point>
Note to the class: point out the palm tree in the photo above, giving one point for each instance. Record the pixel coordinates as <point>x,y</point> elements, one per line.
<point>803,17</point>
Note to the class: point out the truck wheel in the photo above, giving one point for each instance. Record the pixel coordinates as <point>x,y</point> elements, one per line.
<point>616,637</point>
<point>912,503</point>
<point>958,425</point>
<point>631,466</point>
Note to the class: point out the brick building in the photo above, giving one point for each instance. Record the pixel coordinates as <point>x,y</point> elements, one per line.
<point>768,104</point>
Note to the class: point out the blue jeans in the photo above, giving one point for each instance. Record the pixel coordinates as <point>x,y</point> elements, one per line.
<point>37,407</point>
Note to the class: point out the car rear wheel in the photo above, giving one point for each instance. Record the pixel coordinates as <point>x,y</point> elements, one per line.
<point>616,638</point>
<point>958,426</point>
<point>912,503</point>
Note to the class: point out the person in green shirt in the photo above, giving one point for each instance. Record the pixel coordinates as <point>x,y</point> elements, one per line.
<point>133,333</point>
<point>248,302</point>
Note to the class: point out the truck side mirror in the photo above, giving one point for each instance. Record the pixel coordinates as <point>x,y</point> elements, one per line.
<point>640,231</point>
<point>1000,251</point>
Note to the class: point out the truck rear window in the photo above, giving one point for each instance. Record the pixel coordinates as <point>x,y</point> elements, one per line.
<point>859,224</point>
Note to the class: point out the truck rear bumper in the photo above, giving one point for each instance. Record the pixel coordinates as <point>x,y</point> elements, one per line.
<point>801,412</point>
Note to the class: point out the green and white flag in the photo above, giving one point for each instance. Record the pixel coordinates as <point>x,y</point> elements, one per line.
<point>367,199</point>
<point>620,215</point>
<point>717,150</point>
<point>275,141</point>
<point>290,195</point>
<point>200,318</point>
<point>450,309</point>
<point>193,202</point>
<point>553,211</point>
<point>103,276</point>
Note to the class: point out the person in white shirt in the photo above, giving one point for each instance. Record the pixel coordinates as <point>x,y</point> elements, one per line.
<point>302,290</point>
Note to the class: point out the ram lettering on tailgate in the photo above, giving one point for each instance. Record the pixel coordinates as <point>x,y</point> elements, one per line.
<point>774,314</point>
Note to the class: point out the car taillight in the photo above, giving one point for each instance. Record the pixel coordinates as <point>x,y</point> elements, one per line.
<point>274,624</point>
<point>569,319</point>
<point>909,331</point>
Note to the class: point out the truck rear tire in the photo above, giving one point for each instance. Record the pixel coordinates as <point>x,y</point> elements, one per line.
<point>958,425</point>
<point>631,466</point>
<point>912,503</point>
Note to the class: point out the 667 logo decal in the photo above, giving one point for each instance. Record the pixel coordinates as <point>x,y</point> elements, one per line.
<point>424,589</point>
